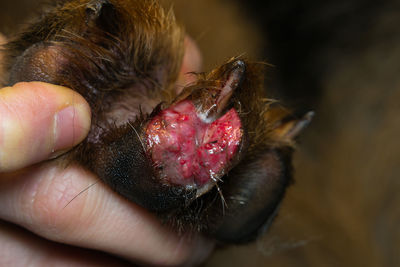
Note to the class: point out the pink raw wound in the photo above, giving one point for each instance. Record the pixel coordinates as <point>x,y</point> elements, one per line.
<point>189,151</point>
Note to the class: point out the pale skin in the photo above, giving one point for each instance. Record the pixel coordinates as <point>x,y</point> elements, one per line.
<point>39,224</point>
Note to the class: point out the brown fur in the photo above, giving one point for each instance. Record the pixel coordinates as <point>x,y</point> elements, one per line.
<point>343,209</point>
<point>124,57</point>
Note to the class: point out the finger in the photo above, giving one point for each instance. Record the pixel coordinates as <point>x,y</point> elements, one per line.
<point>191,63</point>
<point>38,121</point>
<point>18,247</point>
<point>2,42</point>
<point>38,199</point>
<point>2,39</point>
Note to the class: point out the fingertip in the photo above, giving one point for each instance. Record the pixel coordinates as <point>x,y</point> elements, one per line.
<point>191,62</point>
<point>2,43</point>
<point>202,249</point>
<point>2,39</point>
<point>39,121</point>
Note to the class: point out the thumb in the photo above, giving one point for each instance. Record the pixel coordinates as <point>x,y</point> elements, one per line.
<point>39,121</point>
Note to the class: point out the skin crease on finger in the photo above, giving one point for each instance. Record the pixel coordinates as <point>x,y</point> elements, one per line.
<point>38,198</point>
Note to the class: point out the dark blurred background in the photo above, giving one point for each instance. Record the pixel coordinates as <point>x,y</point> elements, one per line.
<point>341,59</point>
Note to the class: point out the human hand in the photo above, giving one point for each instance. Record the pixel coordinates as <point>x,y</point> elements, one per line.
<point>39,121</point>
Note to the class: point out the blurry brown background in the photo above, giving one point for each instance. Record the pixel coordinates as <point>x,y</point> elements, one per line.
<point>341,59</point>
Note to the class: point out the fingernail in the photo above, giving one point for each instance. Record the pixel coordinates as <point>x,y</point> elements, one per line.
<point>71,126</point>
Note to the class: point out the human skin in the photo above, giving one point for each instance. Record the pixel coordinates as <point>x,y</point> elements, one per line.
<point>38,122</point>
